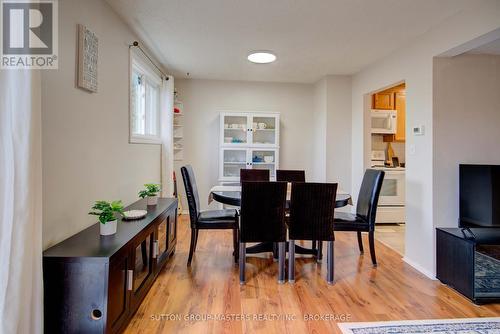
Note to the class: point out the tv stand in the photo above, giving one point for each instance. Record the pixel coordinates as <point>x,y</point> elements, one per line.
<point>468,260</point>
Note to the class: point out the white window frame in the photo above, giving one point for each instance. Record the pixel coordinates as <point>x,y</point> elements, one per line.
<point>152,78</point>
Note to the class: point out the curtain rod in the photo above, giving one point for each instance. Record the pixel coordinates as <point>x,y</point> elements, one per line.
<point>136,44</point>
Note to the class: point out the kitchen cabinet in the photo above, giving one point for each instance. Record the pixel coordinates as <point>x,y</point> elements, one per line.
<point>400,105</point>
<point>95,284</point>
<point>383,101</point>
<point>248,140</point>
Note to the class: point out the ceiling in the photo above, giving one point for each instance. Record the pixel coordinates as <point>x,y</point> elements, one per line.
<point>492,48</point>
<point>311,38</point>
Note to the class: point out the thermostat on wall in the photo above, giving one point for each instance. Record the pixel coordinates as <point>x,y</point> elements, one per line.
<point>418,130</point>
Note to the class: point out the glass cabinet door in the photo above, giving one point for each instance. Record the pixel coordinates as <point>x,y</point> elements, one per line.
<point>265,159</point>
<point>232,161</point>
<point>264,130</point>
<point>235,129</point>
<point>143,264</point>
<point>162,240</point>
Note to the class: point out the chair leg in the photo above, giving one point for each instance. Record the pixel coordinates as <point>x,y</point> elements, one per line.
<point>242,259</point>
<point>329,262</point>
<point>192,246</point>
<point>275,251</point>
<point>319,257</point>
<point>313,246</point>
<point>360,242</point>
<point>196,239</point>
<point>281,262</point>
<point>371,239</point>
<point>291,261</point>
<point>235,245</point>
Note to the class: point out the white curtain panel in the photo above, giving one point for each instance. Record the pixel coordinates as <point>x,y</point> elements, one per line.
<point>21,288</point>
<point>167,136</point>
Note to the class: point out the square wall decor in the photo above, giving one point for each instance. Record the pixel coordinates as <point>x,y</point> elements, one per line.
<point>87,59</point>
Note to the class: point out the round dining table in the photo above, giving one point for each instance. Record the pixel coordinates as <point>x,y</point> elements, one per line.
<point>233,197</point>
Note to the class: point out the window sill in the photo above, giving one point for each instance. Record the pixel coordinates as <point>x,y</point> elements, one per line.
<point>144,140</point>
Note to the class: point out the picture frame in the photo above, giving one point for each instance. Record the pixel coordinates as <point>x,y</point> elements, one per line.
<point>87,59</point>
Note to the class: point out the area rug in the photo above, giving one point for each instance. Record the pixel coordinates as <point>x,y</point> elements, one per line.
<point>436,326</point>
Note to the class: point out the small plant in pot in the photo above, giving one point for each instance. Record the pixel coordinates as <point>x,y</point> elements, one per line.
<point>151,193</point>
<point>107,215</point>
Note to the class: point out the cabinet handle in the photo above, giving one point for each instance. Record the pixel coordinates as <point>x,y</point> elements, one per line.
<point>155,249</point>
<point>130,278</point>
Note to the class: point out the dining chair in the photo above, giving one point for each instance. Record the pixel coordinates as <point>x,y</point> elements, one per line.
<point>289,175</point>
<point>209,219</point>
<point>254,175</point>
<point>262,219</point>
<point>312,208</point>
<point>366,211</point>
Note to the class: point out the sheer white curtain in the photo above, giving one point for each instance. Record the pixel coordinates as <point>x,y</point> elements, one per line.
<point>21,289</point>
<point>167,144</point>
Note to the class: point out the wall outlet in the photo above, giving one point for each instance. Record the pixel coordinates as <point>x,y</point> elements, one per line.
<point>412,150</point>
<point>418,130</point>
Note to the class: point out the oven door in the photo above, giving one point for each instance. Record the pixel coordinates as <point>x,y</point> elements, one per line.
<point>393,189</point>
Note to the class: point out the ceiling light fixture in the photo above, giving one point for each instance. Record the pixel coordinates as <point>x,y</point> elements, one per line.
<point>261,57</point>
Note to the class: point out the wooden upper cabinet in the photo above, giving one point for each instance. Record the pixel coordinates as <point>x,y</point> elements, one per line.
<point>400,102</point>
<point>383,100</point>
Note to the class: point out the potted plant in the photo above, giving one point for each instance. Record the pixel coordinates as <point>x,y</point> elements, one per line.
<point>151,193</point>
<point>106,212</point>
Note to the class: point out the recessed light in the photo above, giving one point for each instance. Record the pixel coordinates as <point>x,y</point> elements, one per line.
<point>261,57</point>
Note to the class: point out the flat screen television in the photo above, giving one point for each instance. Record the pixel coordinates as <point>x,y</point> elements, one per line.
<point>479,195</point>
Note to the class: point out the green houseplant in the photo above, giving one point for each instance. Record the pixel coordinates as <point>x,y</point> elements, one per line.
<point>151,193</point>
<point>106,212</point>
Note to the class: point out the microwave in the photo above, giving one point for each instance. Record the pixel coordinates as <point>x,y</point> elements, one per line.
<point>384,121</point>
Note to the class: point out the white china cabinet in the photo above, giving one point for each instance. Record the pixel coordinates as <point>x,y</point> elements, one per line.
<point>248,140</point>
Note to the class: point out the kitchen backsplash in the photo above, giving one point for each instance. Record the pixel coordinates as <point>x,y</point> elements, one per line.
<point>399,148</point>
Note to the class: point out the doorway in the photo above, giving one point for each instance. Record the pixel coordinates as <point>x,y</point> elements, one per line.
<point>388,153</point>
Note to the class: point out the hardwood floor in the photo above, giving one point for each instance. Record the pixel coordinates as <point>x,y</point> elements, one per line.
<point>182,298</point>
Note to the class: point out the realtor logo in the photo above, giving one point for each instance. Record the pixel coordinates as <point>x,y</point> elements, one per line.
<point>29,38</point>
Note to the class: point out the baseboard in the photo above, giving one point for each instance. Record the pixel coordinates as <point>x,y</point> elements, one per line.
<point>421,269</point>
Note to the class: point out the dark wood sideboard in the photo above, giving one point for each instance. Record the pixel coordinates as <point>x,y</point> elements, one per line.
<point>94,284</point>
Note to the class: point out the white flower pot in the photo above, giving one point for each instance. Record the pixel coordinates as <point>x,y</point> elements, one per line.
<point>152,200</point>
<point>109,228</point>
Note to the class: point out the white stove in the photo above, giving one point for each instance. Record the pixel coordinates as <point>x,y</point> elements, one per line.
<point>391,203</point>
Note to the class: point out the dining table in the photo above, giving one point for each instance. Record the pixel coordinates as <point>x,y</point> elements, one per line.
<point>231,195</point>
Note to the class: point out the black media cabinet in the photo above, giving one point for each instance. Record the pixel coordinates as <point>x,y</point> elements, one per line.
<point>94,284</point>
<point>470,263</point>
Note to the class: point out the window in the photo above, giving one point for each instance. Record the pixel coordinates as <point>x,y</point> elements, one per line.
<point>145,86</point>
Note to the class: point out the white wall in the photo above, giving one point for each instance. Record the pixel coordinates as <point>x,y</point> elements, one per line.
<point>338,130</point>
<point>413,64</point>
<point>204,99</point>
<point>319,119</point>
<point>332,130</point>
<point>85,149</point>
<point>466,123</point>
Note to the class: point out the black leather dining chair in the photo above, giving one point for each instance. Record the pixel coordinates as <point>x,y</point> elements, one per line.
<point>206,220</point>
<point>262,219</point>
<point>366,211</point>
<point>254,175</point>
<point>312,208</point>
<point>289,175</point>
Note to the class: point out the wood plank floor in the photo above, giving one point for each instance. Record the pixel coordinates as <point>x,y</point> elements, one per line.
<point>182,299</point>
